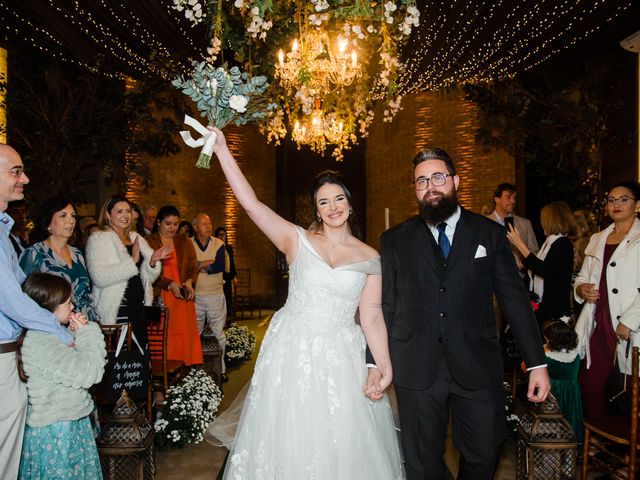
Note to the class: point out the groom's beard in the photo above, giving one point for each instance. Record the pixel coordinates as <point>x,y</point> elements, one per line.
<point>435,212</point>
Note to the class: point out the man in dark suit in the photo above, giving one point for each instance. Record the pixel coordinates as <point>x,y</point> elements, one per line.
<point>439,273</point>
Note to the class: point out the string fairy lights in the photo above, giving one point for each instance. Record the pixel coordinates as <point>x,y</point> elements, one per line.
<point>456,42</point>
<point>467,42</point>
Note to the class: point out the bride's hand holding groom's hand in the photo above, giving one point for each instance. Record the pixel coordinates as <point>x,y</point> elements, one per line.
<point>377,382</point>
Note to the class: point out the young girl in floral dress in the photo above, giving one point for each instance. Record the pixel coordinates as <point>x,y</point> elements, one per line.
<point>58,438</point>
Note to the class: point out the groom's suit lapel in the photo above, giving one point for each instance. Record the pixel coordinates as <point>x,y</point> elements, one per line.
<point>427,246</point>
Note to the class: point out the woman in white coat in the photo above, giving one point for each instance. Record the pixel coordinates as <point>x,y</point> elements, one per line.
<point>122,267</point>
<point>609,283</point>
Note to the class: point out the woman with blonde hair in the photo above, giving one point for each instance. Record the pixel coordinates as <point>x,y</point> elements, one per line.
<point>551,268</point>
<point>122,267</point>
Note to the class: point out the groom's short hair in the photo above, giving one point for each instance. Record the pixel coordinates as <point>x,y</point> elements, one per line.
<point>434,153</point>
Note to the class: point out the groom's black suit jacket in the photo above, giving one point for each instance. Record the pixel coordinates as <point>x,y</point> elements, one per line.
<point>435,309</point>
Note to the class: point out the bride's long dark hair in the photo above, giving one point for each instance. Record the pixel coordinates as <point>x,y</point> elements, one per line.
<point>333,177</point>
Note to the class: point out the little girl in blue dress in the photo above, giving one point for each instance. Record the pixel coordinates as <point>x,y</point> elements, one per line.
<point>58,438</point>
<point>563,365</point>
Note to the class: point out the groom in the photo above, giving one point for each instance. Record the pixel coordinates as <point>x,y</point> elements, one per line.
<point>439,273</point>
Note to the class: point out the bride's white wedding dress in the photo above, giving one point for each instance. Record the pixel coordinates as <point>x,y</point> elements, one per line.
<point>305,415</point>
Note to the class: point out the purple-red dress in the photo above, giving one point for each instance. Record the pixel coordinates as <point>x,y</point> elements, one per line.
<point>602,348</point>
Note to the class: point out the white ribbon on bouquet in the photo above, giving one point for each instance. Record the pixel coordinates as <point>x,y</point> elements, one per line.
<point>206,141</point>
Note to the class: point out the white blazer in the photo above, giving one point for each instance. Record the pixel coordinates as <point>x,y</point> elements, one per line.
<point>623,284</point>
<point>110,267</point>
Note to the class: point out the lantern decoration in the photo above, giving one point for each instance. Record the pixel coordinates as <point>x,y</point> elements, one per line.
<point>547,446</point>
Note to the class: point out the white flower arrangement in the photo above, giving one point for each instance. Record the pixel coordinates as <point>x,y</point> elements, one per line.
<point>222,97</point>
<point>189,408</point>
<point>512,418</point>
<point>241,342</point>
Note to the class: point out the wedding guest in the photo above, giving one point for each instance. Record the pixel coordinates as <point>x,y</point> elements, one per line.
<point>17,312</point>
<point>58,439</point>
<point>551,269</point>
<point>149,219</point>
<point>504,200</point>
<point>607,282</point>
<point>137,219</point>
<point>19,235</point>
<point>563,365</point>
<point>186,228</point>
<point>210,300</point>
<point>229,275</point>
<point>86,226</point>
<point>176,285</point>
<point>122,267</point>
<point>55,226</point>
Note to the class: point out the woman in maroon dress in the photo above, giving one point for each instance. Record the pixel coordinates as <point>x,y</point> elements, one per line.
<point>608,282</point>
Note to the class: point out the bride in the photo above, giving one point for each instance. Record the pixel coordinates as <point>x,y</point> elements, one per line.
<point>309,412</point>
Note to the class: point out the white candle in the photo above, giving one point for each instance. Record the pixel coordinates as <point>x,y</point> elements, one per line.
<point>386,218</point>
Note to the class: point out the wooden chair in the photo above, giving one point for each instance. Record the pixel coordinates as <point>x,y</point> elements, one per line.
<point>111,335</point>
<point>244,300</point>
<point>164,372</point>
<point>622,431</point>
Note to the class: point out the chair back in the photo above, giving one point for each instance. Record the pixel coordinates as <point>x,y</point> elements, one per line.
<point>243,282</point>
<point>157,331</point>
<point>112,334</point>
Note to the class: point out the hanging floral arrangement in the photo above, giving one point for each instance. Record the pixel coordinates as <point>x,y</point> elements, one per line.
<point>279,39</point>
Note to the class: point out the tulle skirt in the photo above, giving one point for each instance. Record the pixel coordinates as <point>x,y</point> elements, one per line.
<point>304,414</point>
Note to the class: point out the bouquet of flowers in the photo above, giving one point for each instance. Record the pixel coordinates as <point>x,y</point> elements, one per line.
<point>222,97</point>
<point>240,342</point>
<point>189,408</point>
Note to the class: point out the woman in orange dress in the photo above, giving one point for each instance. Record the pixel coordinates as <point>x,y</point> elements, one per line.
<point>176,284</point>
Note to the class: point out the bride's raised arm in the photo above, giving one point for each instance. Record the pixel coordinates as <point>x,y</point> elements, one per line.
<point>281,232</point>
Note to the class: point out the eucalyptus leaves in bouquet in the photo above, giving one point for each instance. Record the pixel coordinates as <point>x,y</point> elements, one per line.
<point>222,96</point>
<point>189,408</point>
<point>241,342</point>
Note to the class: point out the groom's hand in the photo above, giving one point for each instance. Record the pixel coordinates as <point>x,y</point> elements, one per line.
<point>539,385</point>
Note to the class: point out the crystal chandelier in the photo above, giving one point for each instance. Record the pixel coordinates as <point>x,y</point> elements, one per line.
<point>317,72</point>
<point>314,63</point>
<point>319,129</point>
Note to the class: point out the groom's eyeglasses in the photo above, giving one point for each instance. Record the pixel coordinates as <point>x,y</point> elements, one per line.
<point>437,180</point>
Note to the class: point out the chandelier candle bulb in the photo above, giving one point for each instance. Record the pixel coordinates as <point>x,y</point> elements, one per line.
<point>354,59</point>
<point>342,44</point>
<point>281,58</point>
<point>294,47</point>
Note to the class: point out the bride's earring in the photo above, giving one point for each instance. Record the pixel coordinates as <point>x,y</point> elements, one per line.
<point>319,218</point>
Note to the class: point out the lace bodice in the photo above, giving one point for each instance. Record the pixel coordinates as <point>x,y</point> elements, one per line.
<point>320,293</point>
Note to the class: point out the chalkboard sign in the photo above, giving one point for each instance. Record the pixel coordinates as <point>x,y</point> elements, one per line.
<point>128,371</point>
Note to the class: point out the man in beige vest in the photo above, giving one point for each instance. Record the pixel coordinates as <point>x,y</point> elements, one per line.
<point>211,305</point>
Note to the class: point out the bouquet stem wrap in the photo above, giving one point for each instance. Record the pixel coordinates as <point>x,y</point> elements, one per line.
<point>206,141</point>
